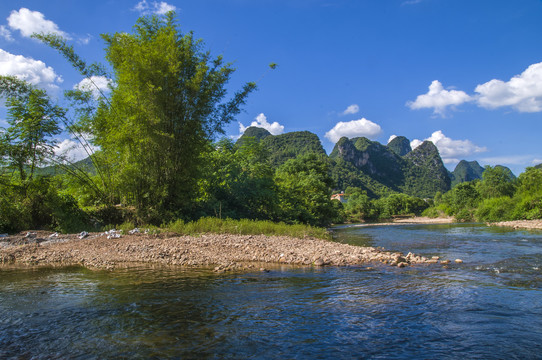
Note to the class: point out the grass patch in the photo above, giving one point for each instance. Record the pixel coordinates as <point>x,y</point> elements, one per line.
<point>211,225</point>
<point>245,227</point>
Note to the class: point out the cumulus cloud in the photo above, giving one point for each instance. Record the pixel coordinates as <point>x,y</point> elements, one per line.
<point>73,151</point>
<point>391,138</point>
<point>94,84</point>
<point>28,69</point>
<point>29,22</point>
<point>354,128</point>
<point>438,99</point>
<point>154,7</point>
<point>261,121</point>
<point>5,33</point>
<point>352,109</point>
<point>523,92</point>
<point>450,150</point>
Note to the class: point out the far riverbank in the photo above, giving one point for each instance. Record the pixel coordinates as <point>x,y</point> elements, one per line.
<point>412,220</point>
<point>520,224</point>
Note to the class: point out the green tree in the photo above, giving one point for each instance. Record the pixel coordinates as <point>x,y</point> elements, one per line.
<point>304,186</point>
<point>28,141</point>
<point>528,197</point>
<point>359,205</point>
<point>496,182</point>
<point>167,103</point>
<point>238,182</point>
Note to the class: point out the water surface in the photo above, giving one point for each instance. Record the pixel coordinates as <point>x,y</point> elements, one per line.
<point>490,307</point>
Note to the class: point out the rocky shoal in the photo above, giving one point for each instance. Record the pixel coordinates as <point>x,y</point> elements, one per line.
<point>223,252</point>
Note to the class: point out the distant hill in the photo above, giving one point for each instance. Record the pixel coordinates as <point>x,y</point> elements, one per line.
<point>253,132</point>
<point>285,146</point>
<point>85,165</point>
<point>419,172</point>
<point>539,166</point>
<point>507,170</point>
<point>471,170</point>
<point>400,145</point>
<point>425,174</point>
<point>466,171</point>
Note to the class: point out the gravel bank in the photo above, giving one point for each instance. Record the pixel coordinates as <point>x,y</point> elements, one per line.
<point>520,224</point>
<point>223,252</point>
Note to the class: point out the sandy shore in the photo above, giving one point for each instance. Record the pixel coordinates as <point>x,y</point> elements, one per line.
<point>222,252</point>
<point>520,224</point>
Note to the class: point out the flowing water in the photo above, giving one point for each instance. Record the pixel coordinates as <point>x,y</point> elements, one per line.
<point>489,307</point>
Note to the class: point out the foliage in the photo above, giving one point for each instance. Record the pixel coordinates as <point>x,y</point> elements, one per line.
<point>40,206</point>
<point>499,196</point>
<point>497,182</point>
<point>304,191</point>
<point>237,182</point>
<point>27,142</point>
<point>246,227</point>
<point>167,104</point>
<point>495,209</point>
<point>359,205</point>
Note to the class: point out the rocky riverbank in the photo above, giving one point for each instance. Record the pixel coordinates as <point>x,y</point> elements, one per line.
<point>222,252</point>
<point>520,224</point>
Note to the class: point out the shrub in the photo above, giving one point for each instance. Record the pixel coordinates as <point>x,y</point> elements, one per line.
<point>495,209</point>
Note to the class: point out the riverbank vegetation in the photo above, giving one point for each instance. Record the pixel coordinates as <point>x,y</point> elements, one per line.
<point>497,197</point>
<point>156,156</point>
<point>150,137</point>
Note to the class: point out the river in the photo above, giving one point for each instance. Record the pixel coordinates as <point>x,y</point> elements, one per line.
<point>489,307</point>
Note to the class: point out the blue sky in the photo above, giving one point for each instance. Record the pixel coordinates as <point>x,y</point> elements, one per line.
<point>465,74</point>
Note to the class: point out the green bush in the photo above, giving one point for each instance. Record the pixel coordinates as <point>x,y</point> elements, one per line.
<point>38,205</point>
<point>495,209</point>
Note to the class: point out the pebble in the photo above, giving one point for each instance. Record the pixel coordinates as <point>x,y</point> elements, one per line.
<point>458,261</point>
<point>219,252</point>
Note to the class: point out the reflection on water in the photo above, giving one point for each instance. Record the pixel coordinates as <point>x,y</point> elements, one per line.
<point>488,307</point>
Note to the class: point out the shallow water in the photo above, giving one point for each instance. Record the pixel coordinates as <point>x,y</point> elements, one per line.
<point>488,307</point>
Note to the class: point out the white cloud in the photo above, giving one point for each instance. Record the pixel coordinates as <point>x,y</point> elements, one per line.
<point>154,7</point>
<point>73,151</point>
<point>5,33</point>
<point>29,22</point>
<point>438,99</point>
<point>261,121</point>
<point>536,161</point>
<point>28,69</point>
<point>450,150</point>
<point>522,92</point>
<point>391,138</point>
<point>352,109</point>
<point>84,40</point>
<point>354,128</point>
<point>94,84</point>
